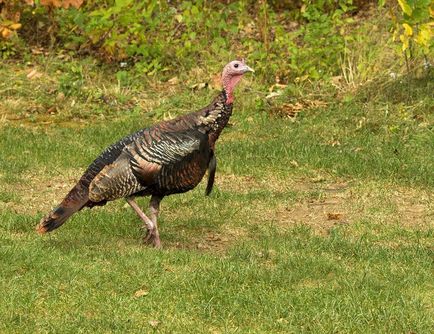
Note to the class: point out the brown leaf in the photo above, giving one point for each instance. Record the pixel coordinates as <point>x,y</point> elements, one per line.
<point>316,103</point>
<point>37,51</point>
<point>62,3</point>
<point>6,33</point>
<point>33,74</point>
<point>15,26</point>
<point>54,3</point>
<point>173,81</point>
<point>73,3</point>
<point>288,110</point>
<point>334,216</point>
<point>52,110</point>
<point>141,293</point>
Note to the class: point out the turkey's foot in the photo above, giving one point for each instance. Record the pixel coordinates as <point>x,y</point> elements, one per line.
<point>154,207</point>
<point>152,237</point>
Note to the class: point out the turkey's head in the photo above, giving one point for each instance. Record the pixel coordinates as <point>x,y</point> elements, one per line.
<point>232,74</point>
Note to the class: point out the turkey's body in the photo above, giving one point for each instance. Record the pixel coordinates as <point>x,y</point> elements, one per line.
<point>167,158</point>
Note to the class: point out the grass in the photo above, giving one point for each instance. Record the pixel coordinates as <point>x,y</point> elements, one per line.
<point>319,224</point>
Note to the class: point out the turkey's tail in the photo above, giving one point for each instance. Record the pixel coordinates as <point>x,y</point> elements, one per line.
<point>73,202</point>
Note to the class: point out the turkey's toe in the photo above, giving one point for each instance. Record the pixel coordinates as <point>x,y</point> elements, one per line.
<point>147,238</point>
<point>157,243</point>
<point>152,238</point>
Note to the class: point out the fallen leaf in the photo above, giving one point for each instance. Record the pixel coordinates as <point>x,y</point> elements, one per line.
<point>173,81</point>
<point>200,85</point>
<point>154,323</point>
<point>54,3</point>
<point>141,293</point>
<point>334,143</point>
<point>273,94</point>
<point>37,51</point>
<point>33,74</point>
<point>316,103</point>
<point>334,216</point>
<point>6,33</point>
<point>62,3</point>
<point>52,110</point>
<point>15,26</point>
<point>277,85</point>
<point>288,110</point>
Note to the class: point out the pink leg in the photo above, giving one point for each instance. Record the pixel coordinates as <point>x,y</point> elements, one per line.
<point>154,208</point>
<point>152,235</point>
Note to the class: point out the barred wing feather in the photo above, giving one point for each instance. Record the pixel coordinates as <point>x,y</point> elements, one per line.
<point>156,159</point>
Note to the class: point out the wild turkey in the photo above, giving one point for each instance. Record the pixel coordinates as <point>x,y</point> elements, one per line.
<point>167,158</point>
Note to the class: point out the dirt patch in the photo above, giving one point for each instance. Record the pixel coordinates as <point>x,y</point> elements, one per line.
<point>211,241</point>
<point>245,184</point>
<point>320,215</point>
<point>321,205</point>
<point>340,204</point>
<point>236,183</point>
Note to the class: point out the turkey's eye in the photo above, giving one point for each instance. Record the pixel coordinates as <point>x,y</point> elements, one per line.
<point>236,65</point>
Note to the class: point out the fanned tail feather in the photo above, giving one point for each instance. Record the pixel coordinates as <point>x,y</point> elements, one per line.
<point>73,202</point>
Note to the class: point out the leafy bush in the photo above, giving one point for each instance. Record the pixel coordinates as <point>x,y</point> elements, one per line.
<point>414,27</point>
<point>302,39</point>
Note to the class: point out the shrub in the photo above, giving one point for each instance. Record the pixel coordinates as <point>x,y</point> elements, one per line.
<point>286,40</point>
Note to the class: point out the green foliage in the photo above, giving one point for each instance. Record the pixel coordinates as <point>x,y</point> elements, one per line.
<point>414,27</point>
<point>157,36</point>
<point>71,82</point>
<point>322,39</point>
<point>305,40</point>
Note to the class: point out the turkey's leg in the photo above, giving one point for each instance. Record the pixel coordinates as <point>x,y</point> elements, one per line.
<point>154,208</point>
<point>150,236</point>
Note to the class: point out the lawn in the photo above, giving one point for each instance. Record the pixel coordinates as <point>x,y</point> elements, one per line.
<point>321,220</point>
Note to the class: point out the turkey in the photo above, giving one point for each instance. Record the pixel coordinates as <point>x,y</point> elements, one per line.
<point>167,158</point>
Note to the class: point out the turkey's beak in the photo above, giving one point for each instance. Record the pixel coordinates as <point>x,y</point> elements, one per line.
<point>248,69</point>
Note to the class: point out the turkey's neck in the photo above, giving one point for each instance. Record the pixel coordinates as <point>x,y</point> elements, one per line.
<point>216,117</point>
<point>229,83</point>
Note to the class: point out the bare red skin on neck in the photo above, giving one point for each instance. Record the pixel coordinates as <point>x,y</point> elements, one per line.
<point>229,83</point>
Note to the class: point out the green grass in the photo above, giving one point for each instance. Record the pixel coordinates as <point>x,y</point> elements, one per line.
<point>259,255</point>
<point>84,279</point>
